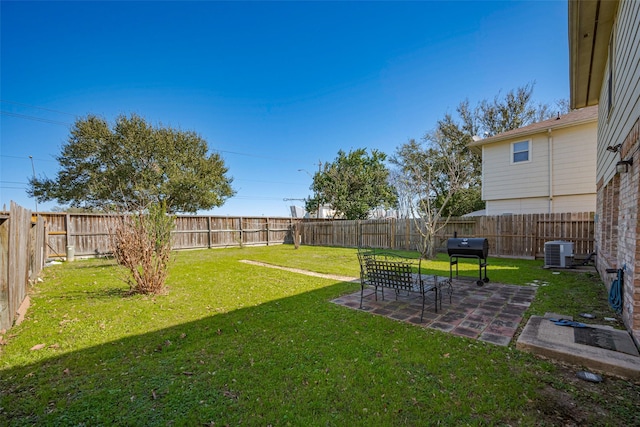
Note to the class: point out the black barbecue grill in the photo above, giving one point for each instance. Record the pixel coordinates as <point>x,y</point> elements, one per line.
<point>467,247</point>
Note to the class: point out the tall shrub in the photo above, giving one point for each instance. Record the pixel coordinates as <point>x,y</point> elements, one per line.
<point>141,243</point>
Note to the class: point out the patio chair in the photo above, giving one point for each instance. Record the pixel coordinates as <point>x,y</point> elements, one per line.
<point>365,256</point>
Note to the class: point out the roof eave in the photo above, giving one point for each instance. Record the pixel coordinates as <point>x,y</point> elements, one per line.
<point>539,130</point>
<point>590,26</point>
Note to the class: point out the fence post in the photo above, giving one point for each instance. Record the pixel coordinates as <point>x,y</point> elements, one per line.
<point>536,236</point>
<point>6,316</point>
<point>392,232</point>
<point>333,235</point>
<point>67,224</point>
<point>407,234</point>
<point>498,234</point>
<point>267,219</point>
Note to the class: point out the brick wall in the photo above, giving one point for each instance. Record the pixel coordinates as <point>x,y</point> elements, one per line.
<point>628,229</point>
<point>606,232</point>
<point>618,230</point>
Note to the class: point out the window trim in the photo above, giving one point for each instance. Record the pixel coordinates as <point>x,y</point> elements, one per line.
<point>528,151</point>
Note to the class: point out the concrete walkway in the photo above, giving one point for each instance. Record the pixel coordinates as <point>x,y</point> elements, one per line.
<point>301,271</point>
<point>599,348</point>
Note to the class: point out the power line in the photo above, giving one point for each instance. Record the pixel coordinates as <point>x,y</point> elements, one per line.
<point>57,122</point>
<point>26,157</point>
<point>234,180</point>
<point>281,159</point>
<point>255,198</point>
<point>37,107</point>
<point>264,182</point>
<point>34,118</point>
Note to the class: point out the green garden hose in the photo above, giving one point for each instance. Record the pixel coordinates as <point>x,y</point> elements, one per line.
<point>615,293</point>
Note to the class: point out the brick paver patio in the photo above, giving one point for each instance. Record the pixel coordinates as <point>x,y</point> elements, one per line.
<point>489,313</point>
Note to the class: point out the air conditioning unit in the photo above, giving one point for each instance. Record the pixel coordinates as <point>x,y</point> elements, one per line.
<point>558,254</point>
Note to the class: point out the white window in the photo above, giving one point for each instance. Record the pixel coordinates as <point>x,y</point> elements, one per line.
<point>520,152</point>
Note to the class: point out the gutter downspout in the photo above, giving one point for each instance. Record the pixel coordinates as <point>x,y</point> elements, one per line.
<point>486,212</point>
<point>550,147</point>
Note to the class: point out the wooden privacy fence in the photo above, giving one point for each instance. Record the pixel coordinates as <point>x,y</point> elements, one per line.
<point>21,259</point>
<point>26,241</point>
<point>508,235</point>
<point>88,234</point>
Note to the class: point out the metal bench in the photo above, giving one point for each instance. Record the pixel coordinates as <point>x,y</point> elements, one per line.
<point>389,271</point>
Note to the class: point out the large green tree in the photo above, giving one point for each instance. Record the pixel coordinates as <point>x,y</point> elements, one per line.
<point>132,165</point>
<point>353,184</point>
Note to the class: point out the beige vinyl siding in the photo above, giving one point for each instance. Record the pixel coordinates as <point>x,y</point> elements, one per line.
<point>614,127</point>
<point>574,203</point>
<point>574,161</point>
<point>503,179</point>
<point>518,206</point>
<point>561,204</point>
<point>521,188</point>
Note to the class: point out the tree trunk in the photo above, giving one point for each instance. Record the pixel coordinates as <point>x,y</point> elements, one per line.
<point>430,246</point>
<point>296,235</point>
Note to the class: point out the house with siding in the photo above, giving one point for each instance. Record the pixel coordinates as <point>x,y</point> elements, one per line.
<point>604,66</point>
<point>545,167</point>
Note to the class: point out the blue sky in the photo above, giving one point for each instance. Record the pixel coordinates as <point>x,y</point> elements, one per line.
<point>275,87</point>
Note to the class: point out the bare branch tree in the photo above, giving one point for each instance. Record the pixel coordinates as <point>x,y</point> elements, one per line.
<point>141,243</point>
<point>432,173</point>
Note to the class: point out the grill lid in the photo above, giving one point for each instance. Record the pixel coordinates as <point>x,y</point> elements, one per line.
<point>468,246</point>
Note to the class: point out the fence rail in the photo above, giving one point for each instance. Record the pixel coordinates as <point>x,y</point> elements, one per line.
<point>508,235</point>
<point>89,233</point>
<point>27,240</point>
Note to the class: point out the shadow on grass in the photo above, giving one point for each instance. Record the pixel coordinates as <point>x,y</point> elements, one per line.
<point>98,263</point>
<point>96,294</point>
<point>201,371</point>
<point>298,360</point>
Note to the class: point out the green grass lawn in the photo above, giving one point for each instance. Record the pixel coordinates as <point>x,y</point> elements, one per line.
<point>232,343</point>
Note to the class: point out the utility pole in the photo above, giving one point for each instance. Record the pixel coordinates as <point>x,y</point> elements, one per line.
<point>311,176</point>
<point>319,171</point>
<point>33,169</point>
